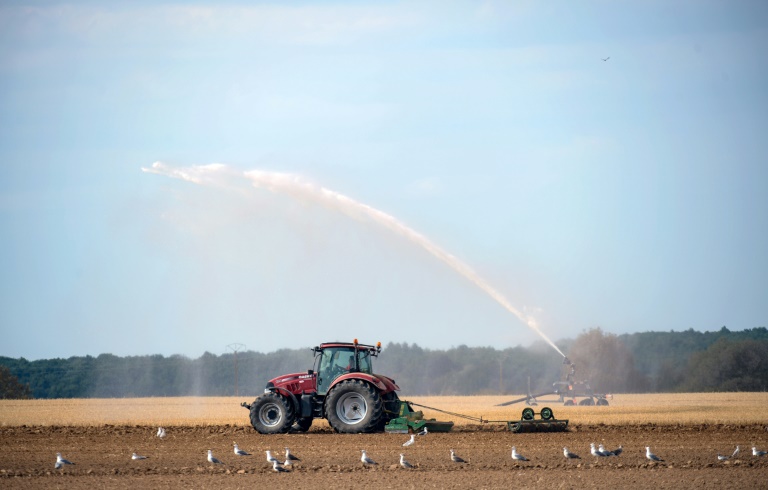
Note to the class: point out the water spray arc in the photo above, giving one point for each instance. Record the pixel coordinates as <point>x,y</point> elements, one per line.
<point>217,175</point>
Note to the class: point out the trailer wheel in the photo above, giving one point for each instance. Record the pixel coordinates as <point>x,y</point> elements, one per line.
<point>602,402</point>
<point>528,414</point>
<point>587,402</point>
<point>272,413</point>
<point>354,406</point>
<point>568,403</point>
<point>546,413</point>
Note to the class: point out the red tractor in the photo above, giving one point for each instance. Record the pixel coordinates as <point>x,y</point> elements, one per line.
<point>341,388</point>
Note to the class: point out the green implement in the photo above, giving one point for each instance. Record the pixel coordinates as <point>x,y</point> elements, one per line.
<point>545,423</point>
<point>409,420</point>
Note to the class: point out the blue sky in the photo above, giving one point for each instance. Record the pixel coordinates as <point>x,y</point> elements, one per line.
<point>628,194</point>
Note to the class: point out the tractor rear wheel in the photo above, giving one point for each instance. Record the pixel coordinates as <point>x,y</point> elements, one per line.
<point>272,413</point>
<point>587,402</point>
<point>354,406</point>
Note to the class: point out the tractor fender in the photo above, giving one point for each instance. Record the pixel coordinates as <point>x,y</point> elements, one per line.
<point>384,386</point>
<point>289,395</point>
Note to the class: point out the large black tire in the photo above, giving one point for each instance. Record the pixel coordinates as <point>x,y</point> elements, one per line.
<point>353,407</point>
<point>602,402</point>
<point>272,413</point>
<point>391,409</point>
<point>588,402</point>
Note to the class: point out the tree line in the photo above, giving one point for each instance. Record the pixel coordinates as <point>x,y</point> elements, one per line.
<point>629,363</point>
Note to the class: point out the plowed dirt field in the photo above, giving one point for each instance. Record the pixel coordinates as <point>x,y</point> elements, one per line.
<point>103,458</point>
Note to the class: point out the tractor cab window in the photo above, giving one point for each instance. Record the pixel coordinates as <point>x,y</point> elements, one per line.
<point>335,361</point>
<point>364,362</point>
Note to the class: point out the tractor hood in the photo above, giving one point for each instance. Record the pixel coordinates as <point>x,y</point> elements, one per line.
<point>294,382</point>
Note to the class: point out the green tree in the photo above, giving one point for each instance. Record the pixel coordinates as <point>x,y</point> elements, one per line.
<point>11,388</point>
<point>729,366</point>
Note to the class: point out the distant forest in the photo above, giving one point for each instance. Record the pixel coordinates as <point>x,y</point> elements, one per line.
<point>688,361</point>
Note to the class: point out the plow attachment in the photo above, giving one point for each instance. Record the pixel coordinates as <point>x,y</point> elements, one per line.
<point>410,420</point>
<point>545,423</point>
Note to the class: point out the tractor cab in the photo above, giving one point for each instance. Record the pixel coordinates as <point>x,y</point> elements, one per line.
<point>334,359</point>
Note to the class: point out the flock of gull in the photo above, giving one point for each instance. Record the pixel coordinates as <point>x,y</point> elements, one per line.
<point>283,466</point>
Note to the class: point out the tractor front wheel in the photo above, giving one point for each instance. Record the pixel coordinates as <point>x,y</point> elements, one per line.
<point>353,407</point>
<point>272,413</point>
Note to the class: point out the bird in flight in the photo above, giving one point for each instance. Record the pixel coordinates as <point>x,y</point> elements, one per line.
<point>605,59</point>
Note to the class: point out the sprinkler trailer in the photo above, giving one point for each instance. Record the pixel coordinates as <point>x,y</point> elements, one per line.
<point>343,389</point>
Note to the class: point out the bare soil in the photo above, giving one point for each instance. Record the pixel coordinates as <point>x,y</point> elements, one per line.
<point>103,458</point>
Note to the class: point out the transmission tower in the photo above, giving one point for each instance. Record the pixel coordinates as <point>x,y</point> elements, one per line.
<point>236,347</point>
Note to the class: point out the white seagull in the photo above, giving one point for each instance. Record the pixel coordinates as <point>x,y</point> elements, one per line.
<point>410,441</point>
<point>455,458</point>
<point>239,451</point>
<point>423,431</point>
<point>277,468</point>
<point>211,459</point>
<point>595,452</point>
<point>757,452</point>
<point>160,432</point>
<point>720,457</point>
<point>735,452</point>
<point>365,459</point>
<point>61,461</point>
<point>136,456</point>
<point>650,455</point>
<point>270,458</point>
<point>405,464</point>
<point>570,455</point>
<point>518,456</point>
<point>601,448</point>
<point>289,456</point>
